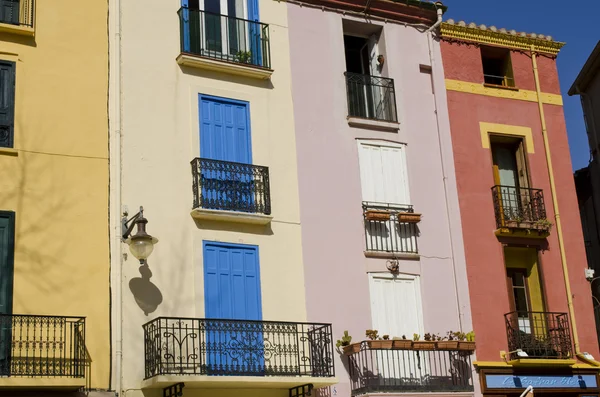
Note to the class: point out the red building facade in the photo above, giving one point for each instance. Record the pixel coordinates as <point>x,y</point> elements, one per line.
<point>504,122</point>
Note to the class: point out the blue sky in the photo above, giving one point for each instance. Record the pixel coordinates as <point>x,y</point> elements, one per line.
<point>574,23</point>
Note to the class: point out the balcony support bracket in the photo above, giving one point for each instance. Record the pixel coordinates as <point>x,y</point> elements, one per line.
<point>175,390</point>
<point>301,391</point>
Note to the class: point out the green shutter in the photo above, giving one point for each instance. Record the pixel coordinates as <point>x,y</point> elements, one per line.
<point>7,103</point>
<point>7,246</point>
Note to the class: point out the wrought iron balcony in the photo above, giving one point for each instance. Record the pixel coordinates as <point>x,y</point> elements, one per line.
<point>519,208</point>
<point>196,346</point>
<point>224,38</point>
<point>400,371</point>
<point>386,229</point>
<point>47,346</point>
<point>223,185</point>
<point>538,335</point>
<point>371,97</point>
<point>17,12</point>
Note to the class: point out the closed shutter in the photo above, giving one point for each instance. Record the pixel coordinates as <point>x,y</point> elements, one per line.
<point>7,103</point>
<point>7,242</point>
<point>9,11</point>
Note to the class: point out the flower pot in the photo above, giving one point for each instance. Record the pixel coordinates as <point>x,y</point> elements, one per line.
<point>380,344</point>
<point>351,349</point>
<point>424,345</point>
<point>466,346</point>
<point>402,344</point>
<point>377,215</point>
<point>447,345</point>
<point>409,217</point>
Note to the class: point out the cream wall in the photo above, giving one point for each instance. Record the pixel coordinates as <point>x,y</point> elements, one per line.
<point>56,178</point>
<point>160,138</point>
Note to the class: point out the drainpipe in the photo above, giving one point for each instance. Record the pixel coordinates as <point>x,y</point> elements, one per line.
<point>430,33</point>
<point>561,243</point>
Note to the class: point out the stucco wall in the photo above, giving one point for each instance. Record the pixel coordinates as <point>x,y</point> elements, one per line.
<point>160,138</point>
<point>56,181</point>
<point>329,175</point>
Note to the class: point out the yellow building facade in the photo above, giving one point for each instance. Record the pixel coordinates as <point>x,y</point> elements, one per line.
<point>54,246</point>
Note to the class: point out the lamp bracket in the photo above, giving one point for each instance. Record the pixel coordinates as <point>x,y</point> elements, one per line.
<point>128,224</point>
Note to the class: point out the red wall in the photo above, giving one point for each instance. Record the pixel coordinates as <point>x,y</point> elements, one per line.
<point>484,252</point>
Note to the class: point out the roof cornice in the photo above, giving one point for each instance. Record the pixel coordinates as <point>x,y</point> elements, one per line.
<point>488,36</point>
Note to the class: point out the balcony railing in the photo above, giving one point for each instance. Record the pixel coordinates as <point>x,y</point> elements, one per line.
<point>223,185</point>
<point>519,208</point>
<point>504,81</point>
<point>538,335</point>
<point>224,38</point>
<point>17,12</point>
<point>400,371</point>
<point>384,232</point>
<point>48,346</point>
<point>195,346</point>
<point>371,97</point>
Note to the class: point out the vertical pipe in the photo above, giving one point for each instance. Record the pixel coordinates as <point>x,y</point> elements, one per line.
<point>561,243</point>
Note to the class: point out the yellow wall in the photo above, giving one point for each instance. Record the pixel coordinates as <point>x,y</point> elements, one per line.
<point>56,180</point>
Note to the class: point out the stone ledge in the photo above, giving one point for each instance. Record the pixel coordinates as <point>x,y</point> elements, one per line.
<point>373,124</point>
<point>17,29</point>
<point>200,62</point>
<point>392,255</point>
<point>236,382</point>
<point>230,216</point>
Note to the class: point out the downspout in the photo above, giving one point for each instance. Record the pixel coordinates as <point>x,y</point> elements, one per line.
<point>430,33</point>
<point>561,243</point>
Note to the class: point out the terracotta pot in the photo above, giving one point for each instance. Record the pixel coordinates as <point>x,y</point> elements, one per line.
<point>380,344</point>
<point>448,344</point>
<point>424,345</point>
<point>409,217</point>
<point>466,346</point>
<point>403,344</point>
<point>374,215</point>
<point>351,349</point>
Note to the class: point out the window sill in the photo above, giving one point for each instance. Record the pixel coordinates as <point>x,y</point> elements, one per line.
<point>521,233</point>
<point>230,216</point>
<point>200,62</point>
<point>17,29</point>
<point>502,87</point>
<point>8,151</point>
<point>359,122</point>
<point>392,255</point>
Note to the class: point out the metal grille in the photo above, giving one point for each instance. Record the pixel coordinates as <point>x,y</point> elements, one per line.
<point>190,346</point>
<point>519,207</point>
<point>224,38</point>
<point>390,235</point>
<point>371,97</point>
<point>42,346</point>
<point>224,185</point>
<point>539,334</point>
<point>17,12</point>
<point>398,371</point>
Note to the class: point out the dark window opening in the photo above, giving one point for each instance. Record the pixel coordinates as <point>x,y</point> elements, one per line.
<point>357,54</point>
<point>497,67</point>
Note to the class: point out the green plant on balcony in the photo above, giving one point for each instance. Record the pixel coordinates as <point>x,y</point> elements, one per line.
<point>243,56</point>
<point>543,224</point>
<point>345,341</point>
<point>372,334</point>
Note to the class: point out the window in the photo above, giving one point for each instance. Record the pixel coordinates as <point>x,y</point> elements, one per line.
<point>7,247</point>
<point>497,67</point>
<point>7,103</point>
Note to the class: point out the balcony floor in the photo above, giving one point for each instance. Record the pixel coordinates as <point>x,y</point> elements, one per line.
<point>231,382</point>
<point>54,383</point>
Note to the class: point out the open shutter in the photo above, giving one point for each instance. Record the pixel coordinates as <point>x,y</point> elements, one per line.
<point>7,103</point>
<point>522,165</point>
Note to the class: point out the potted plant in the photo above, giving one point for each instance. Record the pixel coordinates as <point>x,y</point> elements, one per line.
<point>543,225</point>
<point>377,215</point>
<point>401,343</point>
<point>409,217</point>
<point>346,345</point>
<point>449,342</point>
<point>377,342</point>
<point>243,56</point>
<point>427,344</point>
<point>468,342</point>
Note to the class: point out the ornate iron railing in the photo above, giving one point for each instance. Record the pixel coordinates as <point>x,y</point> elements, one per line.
<point>538,335</point>
<point>388,233</point>
<point>224,38</point>
<point>519,208</point>
<point>223,185</point>
<point>371,97</point>
<point>17,12</point>
<point>195,346</point>
<point>400,371</point>
<point>52,346</point>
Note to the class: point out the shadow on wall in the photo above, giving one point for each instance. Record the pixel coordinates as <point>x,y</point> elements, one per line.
<point>147,295</point>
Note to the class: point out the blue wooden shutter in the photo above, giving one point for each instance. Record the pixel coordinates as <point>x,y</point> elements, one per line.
<point>7,103</point>
<point>7,245</point>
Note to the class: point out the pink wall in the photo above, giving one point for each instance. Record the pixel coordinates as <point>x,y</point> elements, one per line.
<point>330,192</point>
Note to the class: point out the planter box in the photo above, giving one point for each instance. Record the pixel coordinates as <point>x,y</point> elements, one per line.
<point>424,345</point>
<point>375,215</point>
<point>380,344</point>
<point>403,344</point>
<point>466,346</point>
<point>448,344</point>
<point>409,217</point>
<point>351,349</point>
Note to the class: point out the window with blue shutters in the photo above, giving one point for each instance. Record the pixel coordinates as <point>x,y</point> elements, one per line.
<point>7,247</point>
<point>7,103</point>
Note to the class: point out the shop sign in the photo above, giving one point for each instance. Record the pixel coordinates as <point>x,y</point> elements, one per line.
<point>508,381</point>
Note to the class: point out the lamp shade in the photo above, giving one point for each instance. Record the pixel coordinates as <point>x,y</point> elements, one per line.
<point>141,244</point>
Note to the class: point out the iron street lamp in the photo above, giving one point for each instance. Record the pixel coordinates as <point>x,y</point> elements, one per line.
<point>141,244</point>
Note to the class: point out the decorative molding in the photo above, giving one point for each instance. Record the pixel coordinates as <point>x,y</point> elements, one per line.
<point>488,129</point>
<point>240,69</point>
<point>477,35</point>
<point>520,95</point>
